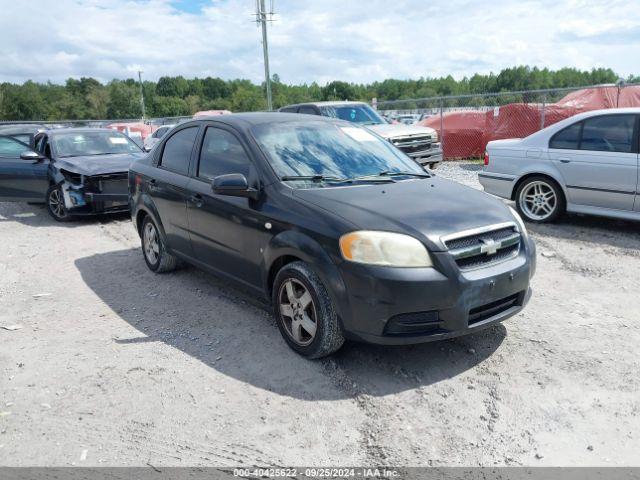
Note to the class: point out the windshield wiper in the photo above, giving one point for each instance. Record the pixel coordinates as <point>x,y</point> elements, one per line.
<point>313,178</point>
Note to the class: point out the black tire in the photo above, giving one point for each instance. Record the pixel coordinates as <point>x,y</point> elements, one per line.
<point>55,204</point>
<point>525,211</point>
<point>328,336</point>
<point>434,165</point>
<point>162,261</point>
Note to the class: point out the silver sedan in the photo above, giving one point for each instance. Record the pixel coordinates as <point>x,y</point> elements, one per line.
<point>586,164</point>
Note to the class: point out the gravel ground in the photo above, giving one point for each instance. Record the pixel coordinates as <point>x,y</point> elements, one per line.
<point>114,365</point>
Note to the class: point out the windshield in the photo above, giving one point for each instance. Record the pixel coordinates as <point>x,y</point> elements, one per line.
<point>336,150</point>
<point>77,144</point>
<point>355,113</point>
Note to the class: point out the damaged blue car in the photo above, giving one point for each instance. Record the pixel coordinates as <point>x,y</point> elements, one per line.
<point>74,171</point>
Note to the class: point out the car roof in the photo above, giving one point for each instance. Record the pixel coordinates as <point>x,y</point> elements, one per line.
<point>24,129</point>
<point>62,131</point>
<point>330,103</point>
<point>248,120</point>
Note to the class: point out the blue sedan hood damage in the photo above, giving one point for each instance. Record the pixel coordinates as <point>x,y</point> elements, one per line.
<point>98,164</point>
<point>426,208</point>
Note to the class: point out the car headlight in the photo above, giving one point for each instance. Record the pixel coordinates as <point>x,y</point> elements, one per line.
<point>384,248</point>
<point>518,219</point>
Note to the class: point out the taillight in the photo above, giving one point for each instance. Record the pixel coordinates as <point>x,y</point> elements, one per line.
<point>486,158</point>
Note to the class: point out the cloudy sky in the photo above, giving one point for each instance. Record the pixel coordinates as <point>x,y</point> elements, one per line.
<point>312,40</point>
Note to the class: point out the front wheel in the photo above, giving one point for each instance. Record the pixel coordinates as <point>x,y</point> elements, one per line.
<point>55,204</point>
<point>305,313</point>
<point>540,200</point>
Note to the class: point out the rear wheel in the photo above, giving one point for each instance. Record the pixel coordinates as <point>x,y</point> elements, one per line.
<point>154,250</point>
<point>55,204</point>
<point>305,313</point>
<point>540,199</point>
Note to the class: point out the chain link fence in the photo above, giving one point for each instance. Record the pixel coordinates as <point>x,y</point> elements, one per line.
<point>466,123</point>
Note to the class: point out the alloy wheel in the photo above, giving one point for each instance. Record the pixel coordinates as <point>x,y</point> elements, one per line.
<point>538,200</point>
<point>151,243</point>
<point>56,203</point>
<point>298,312</point>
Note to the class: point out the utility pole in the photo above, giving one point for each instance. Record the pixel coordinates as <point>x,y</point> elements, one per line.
<point>141,95</point>
<point>262,17</point>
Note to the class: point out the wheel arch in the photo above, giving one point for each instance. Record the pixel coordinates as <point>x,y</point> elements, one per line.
<point>147,208</point>
<point>291,246</point>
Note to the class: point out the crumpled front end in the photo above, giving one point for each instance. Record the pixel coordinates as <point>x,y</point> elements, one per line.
<point>87,195</point>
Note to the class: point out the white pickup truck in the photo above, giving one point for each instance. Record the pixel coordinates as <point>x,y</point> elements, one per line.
<point>420,143</point>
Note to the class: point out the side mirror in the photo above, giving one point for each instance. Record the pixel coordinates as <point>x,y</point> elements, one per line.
<point>234,185</point>
<point>31,156</point>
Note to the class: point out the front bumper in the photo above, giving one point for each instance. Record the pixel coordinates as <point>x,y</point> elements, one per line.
<point>396,306</point>
<point>427,157</point>
<point>79,202</point>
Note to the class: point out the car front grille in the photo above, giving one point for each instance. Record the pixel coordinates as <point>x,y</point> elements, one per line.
<point>484,248</point>
<point>116,183</point>
<point>414,144</point>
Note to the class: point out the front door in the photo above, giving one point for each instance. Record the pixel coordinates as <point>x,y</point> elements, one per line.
<point>169,188</point>
<point>598,160</point>
<point>21,180</point>
<point>227,233</point>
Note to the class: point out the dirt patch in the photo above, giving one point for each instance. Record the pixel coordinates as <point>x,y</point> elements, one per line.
<point>114,365</point>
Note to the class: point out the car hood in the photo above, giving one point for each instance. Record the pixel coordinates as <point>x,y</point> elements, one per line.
<point>98,164</point>
<point>425,208</point>
<point>388,130</point>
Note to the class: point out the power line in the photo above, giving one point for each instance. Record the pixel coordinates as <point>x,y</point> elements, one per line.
<point>262,17</point>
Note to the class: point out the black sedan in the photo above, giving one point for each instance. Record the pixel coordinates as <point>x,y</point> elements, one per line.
<point>75,171</point>
<point>347,236</point>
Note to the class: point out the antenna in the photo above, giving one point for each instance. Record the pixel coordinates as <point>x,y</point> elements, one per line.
<point>262,17</point>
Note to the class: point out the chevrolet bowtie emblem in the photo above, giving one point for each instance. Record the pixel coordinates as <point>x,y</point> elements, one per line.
<point>489,247</point>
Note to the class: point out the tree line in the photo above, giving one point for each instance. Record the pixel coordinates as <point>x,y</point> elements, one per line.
<point>87,98</point>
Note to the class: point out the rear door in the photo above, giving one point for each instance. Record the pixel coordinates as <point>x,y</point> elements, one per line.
<point>227,233</point>
<point>169,187</point>
<point>598,160</point>
<point>21,180</point>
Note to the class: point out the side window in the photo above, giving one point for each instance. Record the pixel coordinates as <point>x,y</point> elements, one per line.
<point>177,150</point>
<point>567,138</point>
<point>609,133</point>
<point>308,110</point>
<point>221,154</point>
<point>12,148</point>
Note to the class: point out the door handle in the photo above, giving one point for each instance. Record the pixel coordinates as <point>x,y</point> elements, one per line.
<point>564,159</point>
<point>196,199</point>
<point>152,184</point>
